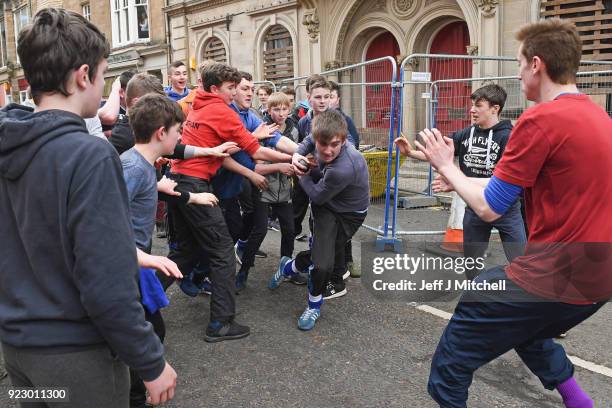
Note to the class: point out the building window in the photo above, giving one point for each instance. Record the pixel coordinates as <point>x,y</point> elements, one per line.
<point>23,96</point>
<point>21,18</point>
<point>3,53</point>
<point>130,20</point>
<point>214,50</point>
<point>278,54</point>
<point>87,11</point>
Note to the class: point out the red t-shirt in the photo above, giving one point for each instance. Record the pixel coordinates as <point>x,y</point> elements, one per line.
<point>560,152</point>
<point>210,123</point>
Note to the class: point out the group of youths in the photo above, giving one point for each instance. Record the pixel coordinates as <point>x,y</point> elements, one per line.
<point>82,294</point>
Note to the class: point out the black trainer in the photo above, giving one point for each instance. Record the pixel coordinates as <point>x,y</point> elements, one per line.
<point>334,290</point>
<point>260,254</point>
<point>228,331</point>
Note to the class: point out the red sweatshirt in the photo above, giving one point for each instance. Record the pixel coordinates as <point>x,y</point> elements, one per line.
<point>210,123</point>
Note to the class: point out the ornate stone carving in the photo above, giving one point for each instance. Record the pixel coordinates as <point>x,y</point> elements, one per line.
<point>329,65</point>
<point>412,64</point>
<point>488,8</point>
<point>311,22</point>
<point>472,49</point>
<point>404,5</point>
<point>405,9</point>
<point>378,5</point>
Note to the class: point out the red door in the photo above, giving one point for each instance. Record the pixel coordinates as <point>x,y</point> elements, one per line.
<point>453,98</point>
<point>378,97</point>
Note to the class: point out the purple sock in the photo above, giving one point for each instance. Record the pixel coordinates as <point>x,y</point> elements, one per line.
<point>573,396</point>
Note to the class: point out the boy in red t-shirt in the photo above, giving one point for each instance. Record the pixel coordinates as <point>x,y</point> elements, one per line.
<point>565,275</point>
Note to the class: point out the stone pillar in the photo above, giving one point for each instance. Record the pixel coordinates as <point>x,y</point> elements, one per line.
<point>489,41</point>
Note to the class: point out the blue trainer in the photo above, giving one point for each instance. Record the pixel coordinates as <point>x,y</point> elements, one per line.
<point>279,276</point>
<point>188,287</point>
<point>308,319</point>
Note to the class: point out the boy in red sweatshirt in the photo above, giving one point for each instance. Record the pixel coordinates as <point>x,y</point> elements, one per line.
<point>199,228</point>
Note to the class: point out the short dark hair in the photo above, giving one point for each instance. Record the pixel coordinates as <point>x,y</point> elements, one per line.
<point>245,75</point>
<point>492,93</point>
<point>125,77</point>
<point>266,88</point>
<point>140,85</point>
<point>319,83</point>
<point>56,43</point>
<point>557,43</point>
<point>329,124</point>
<point>333,86</point>
<point>174,65</point>
<point>313,78</point>
<point>151,112</point>
<point>287,90</point>
<point>217,73</point>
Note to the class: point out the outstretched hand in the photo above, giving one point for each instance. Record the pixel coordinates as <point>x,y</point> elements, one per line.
<point>404,145</point>
<point>441,185</point>
<point>265,131</point>
<point>223,150</point>
<point>439,150</point>
<point>160,263</point>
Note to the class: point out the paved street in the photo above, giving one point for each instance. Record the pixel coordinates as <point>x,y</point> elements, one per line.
<point>363,352</point>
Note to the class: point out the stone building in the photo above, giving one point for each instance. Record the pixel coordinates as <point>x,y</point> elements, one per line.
<point>126,24</point>
<point>325,33</point>
<point>281,39</point>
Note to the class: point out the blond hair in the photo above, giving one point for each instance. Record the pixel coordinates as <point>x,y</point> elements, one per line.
<point>278,99</point>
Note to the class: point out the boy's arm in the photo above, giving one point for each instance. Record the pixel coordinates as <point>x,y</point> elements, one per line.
<point>265,153</point>
<point>332,183</point>
<point>406,149</point>
<point>257,179</point>
<point>353,131</point>
<point>105,264</point>
<point>266,168</point>
<point>306,146</point>
<point>109,112</point>
<point>184,152</point>
<point>286,145</point>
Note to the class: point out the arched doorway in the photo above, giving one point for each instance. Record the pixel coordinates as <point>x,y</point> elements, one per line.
<point>378,97</point>
<point>453,98</point>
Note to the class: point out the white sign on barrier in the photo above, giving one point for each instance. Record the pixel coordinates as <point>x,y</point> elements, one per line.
<point>421,76</point>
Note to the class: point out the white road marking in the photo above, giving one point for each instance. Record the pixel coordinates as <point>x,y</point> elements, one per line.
<point>577,361</point>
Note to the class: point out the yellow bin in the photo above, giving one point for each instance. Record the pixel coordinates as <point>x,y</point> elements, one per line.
<point>377,170</point>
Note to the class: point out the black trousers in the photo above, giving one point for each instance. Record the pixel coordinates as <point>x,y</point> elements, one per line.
<point>199,228</point>
<point>255,222</point>
<point>284,212</point>
<point>233,218</point>
<point>300,201</point>
<point>330,233</point>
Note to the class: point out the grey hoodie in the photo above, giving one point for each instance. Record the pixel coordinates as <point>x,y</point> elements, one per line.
<point>68,267</point>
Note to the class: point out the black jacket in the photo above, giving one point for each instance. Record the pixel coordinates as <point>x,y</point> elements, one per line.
<point>473,160</point>
<point>67,261</point>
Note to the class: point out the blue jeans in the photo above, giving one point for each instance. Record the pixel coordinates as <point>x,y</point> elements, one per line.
<point>485,326</point>
<point>476,234</point>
